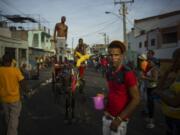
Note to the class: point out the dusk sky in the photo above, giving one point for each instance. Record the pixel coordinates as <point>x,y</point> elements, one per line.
<point>86,18</point>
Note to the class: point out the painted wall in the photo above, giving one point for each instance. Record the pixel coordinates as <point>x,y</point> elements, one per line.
<point>5,32</point>
<point>151,28</point>
<point>18,45</point>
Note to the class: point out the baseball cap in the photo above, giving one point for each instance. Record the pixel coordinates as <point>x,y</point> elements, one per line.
<point>142,57</point>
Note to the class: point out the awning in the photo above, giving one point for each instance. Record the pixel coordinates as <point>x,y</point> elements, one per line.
<point>19,19</point>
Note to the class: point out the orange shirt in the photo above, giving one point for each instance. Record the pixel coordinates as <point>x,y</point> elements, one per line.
<point>9,84</point>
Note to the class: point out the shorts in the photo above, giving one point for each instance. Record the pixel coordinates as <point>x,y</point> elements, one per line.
<point>61,42</point>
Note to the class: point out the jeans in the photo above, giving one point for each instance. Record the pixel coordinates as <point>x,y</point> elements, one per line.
<point>12,113</point>
<point>150,102</point>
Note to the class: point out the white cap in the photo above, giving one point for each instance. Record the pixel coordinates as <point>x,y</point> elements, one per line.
<point>142,57</point>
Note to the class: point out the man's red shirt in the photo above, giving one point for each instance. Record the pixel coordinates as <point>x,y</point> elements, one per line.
<point>118,96</point>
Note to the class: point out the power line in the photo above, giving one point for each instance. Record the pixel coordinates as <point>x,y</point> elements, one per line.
<point>12,6</point>
<point>89,6</point>
<point>102,23</point>
<point>97,31</point>
<point>40,19</point>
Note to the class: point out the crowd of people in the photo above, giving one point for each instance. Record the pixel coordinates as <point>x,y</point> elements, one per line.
<point>156,85</point>
<point>127,86</point>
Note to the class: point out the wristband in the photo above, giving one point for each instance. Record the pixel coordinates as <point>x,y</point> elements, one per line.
<point>119,118</point>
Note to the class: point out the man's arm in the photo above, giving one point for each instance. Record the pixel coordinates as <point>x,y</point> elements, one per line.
<point>135,99</point>
<point>75,57</point>
<point>84,49</point>
<point>154,76</point>
<point>66,32</point>
<point>54,36</point>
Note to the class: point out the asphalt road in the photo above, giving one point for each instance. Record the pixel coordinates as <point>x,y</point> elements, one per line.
<point>42,116</point>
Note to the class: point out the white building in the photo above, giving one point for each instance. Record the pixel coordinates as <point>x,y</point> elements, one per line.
<point>40,45</point>
<point>160,33</point>
<point>17,48</point>
<point>98,49</point>
<point>24,44</point>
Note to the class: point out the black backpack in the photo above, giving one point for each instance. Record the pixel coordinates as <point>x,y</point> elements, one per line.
<point>119,76</point>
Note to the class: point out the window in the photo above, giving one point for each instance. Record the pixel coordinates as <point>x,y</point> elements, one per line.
<point>145,44</point>
<point>153,42</point>
<point>35,40</point>
<point>140,45</point>
<point>169,37</point>
<point>11,51</point>
<point>22,53</point>
<point>42,38</point>
<point>142,32</point>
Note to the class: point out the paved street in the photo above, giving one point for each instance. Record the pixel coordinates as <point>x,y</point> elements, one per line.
<point>41,116</point>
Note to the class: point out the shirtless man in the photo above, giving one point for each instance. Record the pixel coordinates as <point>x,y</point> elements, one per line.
<point>83,113</point>
<point>60,37</point>
<point>81,48</point>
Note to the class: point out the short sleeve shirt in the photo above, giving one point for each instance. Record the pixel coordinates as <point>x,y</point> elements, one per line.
<point>118,96</point>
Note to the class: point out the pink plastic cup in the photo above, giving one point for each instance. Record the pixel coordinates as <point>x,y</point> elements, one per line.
<point>98,102</point>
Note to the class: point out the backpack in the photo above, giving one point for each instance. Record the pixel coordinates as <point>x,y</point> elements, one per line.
<point>119,77</point>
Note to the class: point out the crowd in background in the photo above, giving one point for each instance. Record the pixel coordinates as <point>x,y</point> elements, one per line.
<point>151,83</point>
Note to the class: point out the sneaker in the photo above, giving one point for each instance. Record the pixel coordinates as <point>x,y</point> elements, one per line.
<point>150,125</point>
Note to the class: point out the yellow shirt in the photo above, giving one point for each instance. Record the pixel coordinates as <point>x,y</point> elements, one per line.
<point>9,84</point>
<point>171,111</point>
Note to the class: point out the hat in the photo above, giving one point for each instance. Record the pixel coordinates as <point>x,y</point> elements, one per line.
<point>142,57</point>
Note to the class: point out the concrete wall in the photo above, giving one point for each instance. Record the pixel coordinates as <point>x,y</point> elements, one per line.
<point>154,23</point>
<point>169,21</point>
<point>19,34</point>
<point>5,32</point>
<point>18,45</point>
<point>41,43</point>
<point>152,35</point>
<point>141,39</point>
<point>145,25</point>
<point>152,28</point>
<point>165,53</point>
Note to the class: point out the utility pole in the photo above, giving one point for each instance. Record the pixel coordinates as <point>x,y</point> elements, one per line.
<point>105,41</point>
<point>124,21</point>
<point>72,44</point>
<point>124,12</point>
<point>105,37</point>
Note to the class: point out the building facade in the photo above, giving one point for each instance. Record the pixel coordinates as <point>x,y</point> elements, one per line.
<point>17,48</point>
<point>160,33</point>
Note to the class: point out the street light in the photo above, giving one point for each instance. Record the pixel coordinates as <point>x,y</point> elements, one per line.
<point>108,12</point>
